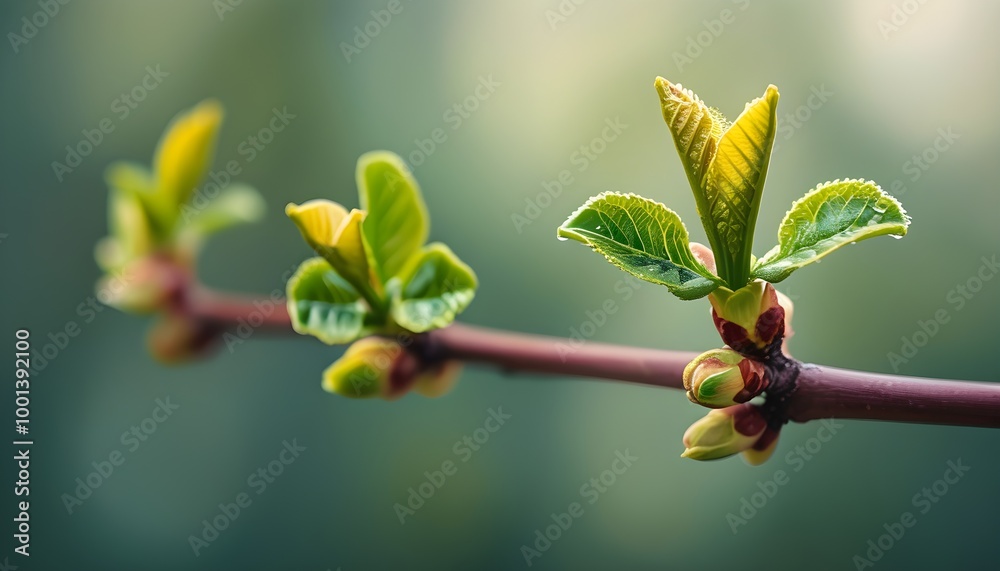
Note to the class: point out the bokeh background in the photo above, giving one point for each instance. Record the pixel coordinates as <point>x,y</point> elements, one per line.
<point>889,88</point>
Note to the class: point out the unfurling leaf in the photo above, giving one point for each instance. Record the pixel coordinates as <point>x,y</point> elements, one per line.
<point>396,225</point>
<point>335,234</point>
<point>323,304</point>
<point>131,233</point>
<point>696,129</point>
<point>185,152</point>
<point>644,238</point>
<point>726,165</point>
<point>236,204</point>
<point>136,181</point>
<point>735,181</point>
<point>433,289</point>
<point>828,217</point>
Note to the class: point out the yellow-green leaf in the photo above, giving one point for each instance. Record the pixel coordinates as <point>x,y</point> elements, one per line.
<point>136,180</point>
<point>434,288</point>
<point>696,129</point>
<point>726,165</point>
<point>735,181</point>
<point>829,217</point>
<point>185,152</point>
<point>323,304</point>
<point>363,371</point>
<point>336,235</point>
<point>318,221</point>
<point>349,248</point>
<point>396,225</point>
<point>644,238</point>
<point>236,204</point>
<point>130,233</point>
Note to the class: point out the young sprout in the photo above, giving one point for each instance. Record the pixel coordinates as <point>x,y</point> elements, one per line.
<point>726,165</point>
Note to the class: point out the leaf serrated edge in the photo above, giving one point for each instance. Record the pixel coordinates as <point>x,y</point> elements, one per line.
<point>776,250</point>
<point>906,217</point>
<point>563,232</point>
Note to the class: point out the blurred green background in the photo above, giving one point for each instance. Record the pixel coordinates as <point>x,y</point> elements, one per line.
<point>888,89</point>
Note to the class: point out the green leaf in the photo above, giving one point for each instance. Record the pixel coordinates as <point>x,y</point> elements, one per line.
<point>432,290</point>
<point>396,225</point>
<point>696,130</point>
<point>734,184</point>
<point>336,235</point>
<point>185,151</point>
<point>324,305</point>
<point>828,217</point>
<point>131,235</point>
<point>136,180</point>
<point>236,204</point>
<point>644,238</point>
<point>364,369</point>
<point>726,165</point>
<point>130,176</point>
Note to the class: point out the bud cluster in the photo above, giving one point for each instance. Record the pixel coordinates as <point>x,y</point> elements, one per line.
<point>751,319</point>
<point>755,323</point>
<point>378,367</point>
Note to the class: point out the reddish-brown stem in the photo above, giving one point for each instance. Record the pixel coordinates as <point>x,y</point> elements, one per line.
<point>825,392</point>
<point>518,352</point>
<point>821,392</point>
<point>230,309</point>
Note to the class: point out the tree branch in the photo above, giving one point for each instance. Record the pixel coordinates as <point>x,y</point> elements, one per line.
<point>821,392</point>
